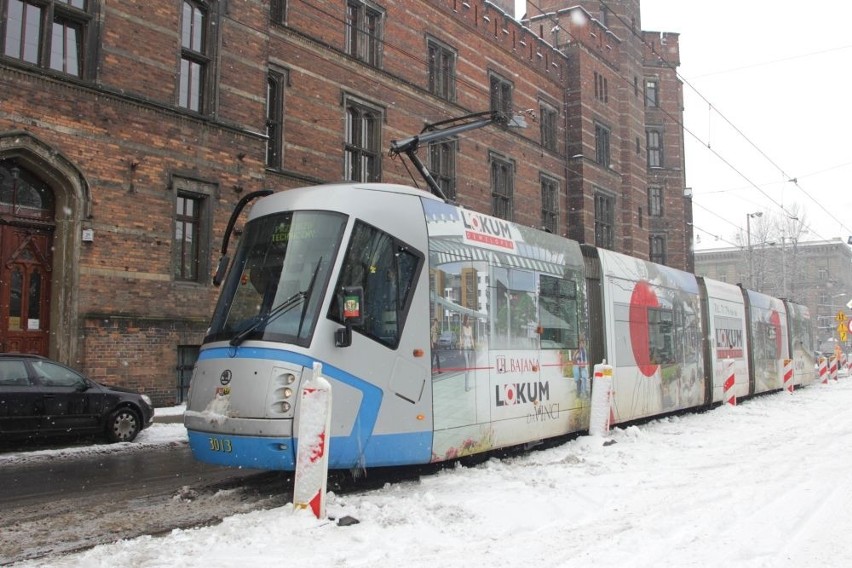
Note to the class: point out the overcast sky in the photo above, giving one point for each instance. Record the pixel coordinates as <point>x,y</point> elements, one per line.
<point>767,101</point>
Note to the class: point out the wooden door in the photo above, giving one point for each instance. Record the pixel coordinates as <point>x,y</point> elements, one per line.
<point>25,279</point>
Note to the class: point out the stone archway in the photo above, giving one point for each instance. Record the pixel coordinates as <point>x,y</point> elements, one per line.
<point>73,206</point>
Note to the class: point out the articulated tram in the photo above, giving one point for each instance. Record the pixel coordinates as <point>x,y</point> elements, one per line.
<point>445,332</point>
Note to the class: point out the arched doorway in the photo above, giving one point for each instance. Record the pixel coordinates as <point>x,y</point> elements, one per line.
<point>27,213</point>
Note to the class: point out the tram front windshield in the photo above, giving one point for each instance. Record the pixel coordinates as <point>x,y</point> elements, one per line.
<point>276,283</point>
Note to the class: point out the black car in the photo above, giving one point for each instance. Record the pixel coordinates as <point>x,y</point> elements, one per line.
<point>40,398</point>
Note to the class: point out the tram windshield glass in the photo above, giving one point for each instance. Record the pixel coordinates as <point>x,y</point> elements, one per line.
<point>276,282</point>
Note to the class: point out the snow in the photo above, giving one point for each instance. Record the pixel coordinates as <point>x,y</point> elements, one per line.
<point>761,484</point>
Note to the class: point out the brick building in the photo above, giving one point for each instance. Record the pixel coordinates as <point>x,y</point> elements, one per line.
<point>129,129</point>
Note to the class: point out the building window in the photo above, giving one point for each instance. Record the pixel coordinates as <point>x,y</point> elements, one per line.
<point>602,155</point>
<point>549,204</point>
<point>275,83</point>
<point>191,246</point>
<point>363,142</point>
<point>604,220</point>
<point>187,229</point>
<point>657,246</point>
<point>655,201</point>
<point>655,149</point>
<point>442,166</point>
<point>549,118</point>
<point>501,95</point>
<point>364,32</point>
<point>601,88</point>
<point>442,71</point>
<point>652,93</point>
<point>187,355</point>
<point>502,187</point>
<point>278,11</point>
<point>49,34</point>
<point>195,59</point>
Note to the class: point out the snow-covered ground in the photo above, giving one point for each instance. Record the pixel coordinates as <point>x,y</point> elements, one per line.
<point>157,434</point>
<point>762,484</point>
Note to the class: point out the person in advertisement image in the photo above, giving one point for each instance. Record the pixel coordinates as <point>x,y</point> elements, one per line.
<point>581,370</point>
<point>468,346</point>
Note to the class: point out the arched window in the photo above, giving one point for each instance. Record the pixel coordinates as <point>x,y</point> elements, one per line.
<point>22,194</point>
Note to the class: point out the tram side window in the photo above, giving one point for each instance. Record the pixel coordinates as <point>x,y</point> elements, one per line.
<point>558,313</point>
<point>661,336</point>
<point>386,269</point>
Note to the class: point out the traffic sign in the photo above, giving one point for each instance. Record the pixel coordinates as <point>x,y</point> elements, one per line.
<point>841,316</point>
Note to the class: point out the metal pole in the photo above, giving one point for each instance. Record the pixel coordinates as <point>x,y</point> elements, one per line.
<point>750,259</point>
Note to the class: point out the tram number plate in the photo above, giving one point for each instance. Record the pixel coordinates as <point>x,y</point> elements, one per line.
<point>220,445</point>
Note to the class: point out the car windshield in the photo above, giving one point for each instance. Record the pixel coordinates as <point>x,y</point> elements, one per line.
<point>273,288</point>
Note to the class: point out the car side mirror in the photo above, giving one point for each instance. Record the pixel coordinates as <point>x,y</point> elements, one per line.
<point>352,301</point>
<point>82,386</point>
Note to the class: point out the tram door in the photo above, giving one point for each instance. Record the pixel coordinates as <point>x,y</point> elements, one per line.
<point>26,258</point>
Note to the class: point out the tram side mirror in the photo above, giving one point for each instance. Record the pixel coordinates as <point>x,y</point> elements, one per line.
<point>352,300</point>
<point>220,270</point>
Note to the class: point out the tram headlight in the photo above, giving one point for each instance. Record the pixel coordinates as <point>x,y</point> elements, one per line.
<point>290,378</point>
<point>288,392</point>
<point>285,406</point>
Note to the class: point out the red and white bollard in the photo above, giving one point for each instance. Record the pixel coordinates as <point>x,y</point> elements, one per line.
<point>823,371</point>
<point>312,453</point>
<point>600,412</point>
<point>788,374</point>
<point>728,394</point>
<point>832,368</point>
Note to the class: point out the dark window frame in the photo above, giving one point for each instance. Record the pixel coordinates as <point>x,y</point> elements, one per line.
<point>604,220</point>
<point>655,201</point>
<point>203,194</point>
<point>549,203</point>
<point>196,87</point>
<point>501,91</point>
<point>78,15</point>
<point>442,166</point>
<point>276,83</point>
<point>603,152</point>
<point>549,118</point>
<point>652,93</point>
<point>365,31</point>
<point>654,145</point>
<point>657,248</point>
<point>362,141</point>
<point>502,186</point>
<point>442,69</point>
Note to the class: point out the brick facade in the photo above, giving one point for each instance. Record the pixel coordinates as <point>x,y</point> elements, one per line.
<point>117,149</point>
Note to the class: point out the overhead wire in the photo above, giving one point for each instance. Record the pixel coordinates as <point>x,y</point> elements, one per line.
<point>736,129</point>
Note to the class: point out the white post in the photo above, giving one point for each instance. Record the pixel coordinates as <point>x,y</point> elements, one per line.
<point>312,445</point>
<point>788,374</point>
<point>730,396</point>
<point>600,413</point>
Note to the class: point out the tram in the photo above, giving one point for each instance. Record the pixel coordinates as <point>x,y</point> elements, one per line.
<point>446,333</point>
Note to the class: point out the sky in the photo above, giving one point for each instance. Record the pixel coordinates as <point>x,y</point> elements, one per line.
<point>764,484</point>
<point>766,92</point>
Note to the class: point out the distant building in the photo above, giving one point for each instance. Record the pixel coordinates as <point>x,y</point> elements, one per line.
<point>130,128</point>
<point>817,274</point>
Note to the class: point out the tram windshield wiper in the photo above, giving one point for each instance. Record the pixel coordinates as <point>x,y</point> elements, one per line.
<point>264,320</point>
<point>303,296</point>
<point>307,296</point>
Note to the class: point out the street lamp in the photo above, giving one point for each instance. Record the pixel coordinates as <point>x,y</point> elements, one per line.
<point>750,252</point>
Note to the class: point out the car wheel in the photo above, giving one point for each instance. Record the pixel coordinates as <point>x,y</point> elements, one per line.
<point>123,425</point>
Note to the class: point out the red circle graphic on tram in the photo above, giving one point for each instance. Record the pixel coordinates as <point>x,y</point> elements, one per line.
<point>643,297</point>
